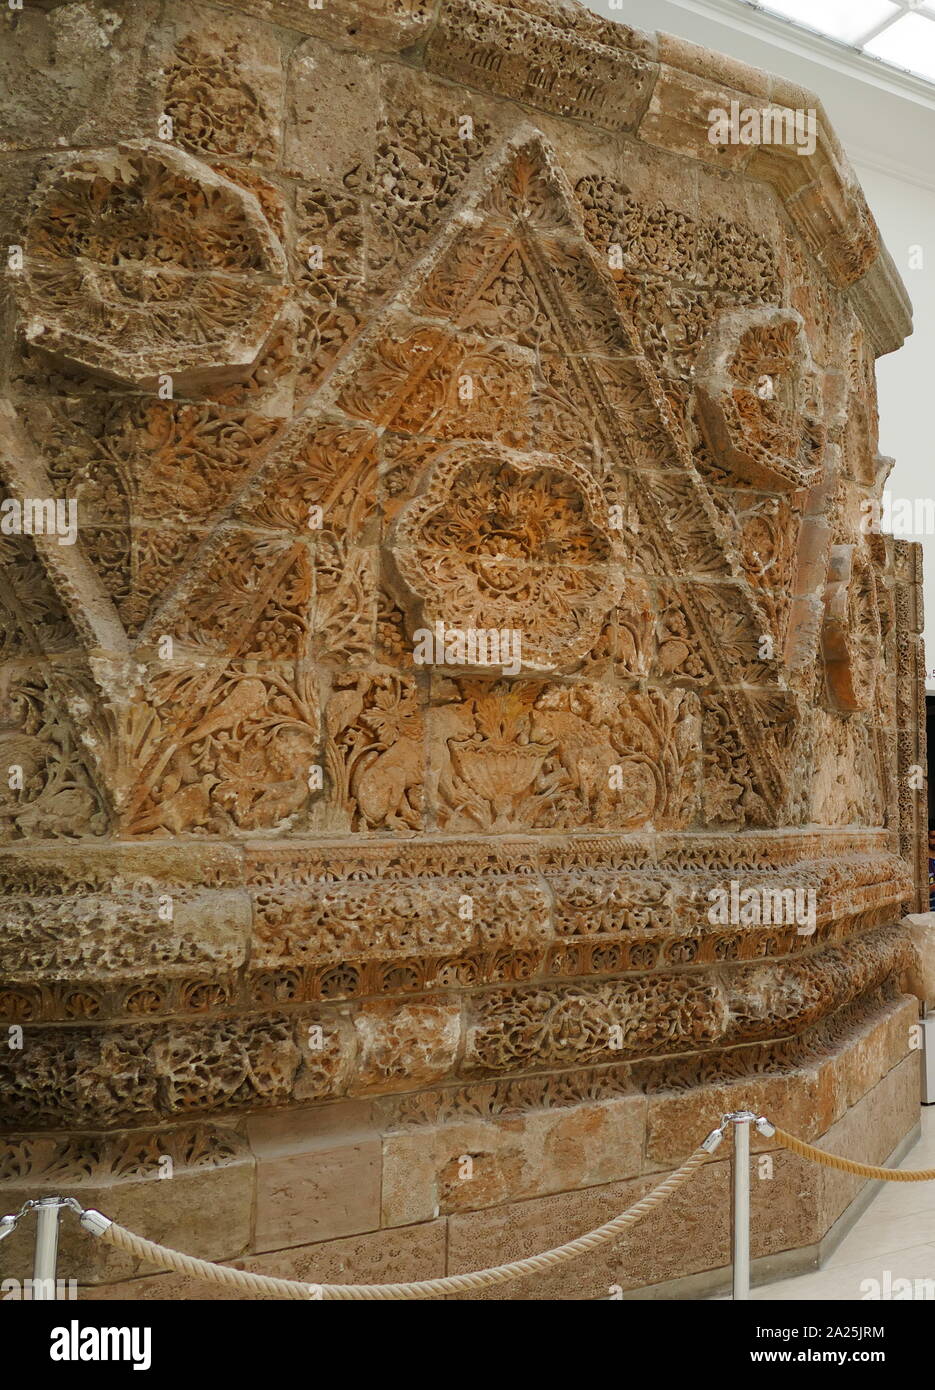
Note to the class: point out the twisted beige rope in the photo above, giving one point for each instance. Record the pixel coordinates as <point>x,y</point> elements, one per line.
<point>162,1256</point>
<point>847,1165</point>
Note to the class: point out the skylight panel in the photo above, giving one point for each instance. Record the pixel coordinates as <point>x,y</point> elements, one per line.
<point>909,43</point>
<point>845,20</point>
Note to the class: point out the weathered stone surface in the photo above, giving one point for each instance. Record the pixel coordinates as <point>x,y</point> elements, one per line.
<point>437,1170</point>
<point>192,1188</point>
<point>921,927</point>
<point>404,1044</point>
<point>413,1252</point>
<point>97,83</point>
<point>312,1186</point>
<point>807,1103</point>
<point>869,1131</point>
<point>793,1203</point>
<point>216,276</point>
<point>221,84</point>
<point>458,729</point>
<point>774,443</point>
<point>488,44</point>
<point>367,24</point>
<point>677,117</point>
<point>331,121</point>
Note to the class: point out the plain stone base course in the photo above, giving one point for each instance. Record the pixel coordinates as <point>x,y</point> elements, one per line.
<point>682,1245</point>
<point>690,1233</point>
<point>411,1252</point>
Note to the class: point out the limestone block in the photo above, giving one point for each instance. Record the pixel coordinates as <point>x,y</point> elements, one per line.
<point>704,62</point>
<point>191,1188</point>
<point>367,24</point>
<point>87,1077</point>
<point>415,1252</point>
<point>82,50</point>
<point>801,1102</point>
<point>879,1050</point>
<point>313,1185</point>
<point>434,1170</point>
<point>678,118</point>
<point>332,107</point>
<point>793,1203</point>
<point>690,1234</point>
<point>481,44</point>
<point>922,933</point>
<point>328,1049</point>
<point>869,1132</point>
<point>221,87</point>
<point>123,935</point>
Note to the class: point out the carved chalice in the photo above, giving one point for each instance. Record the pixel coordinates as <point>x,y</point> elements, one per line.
<point>499,770</point>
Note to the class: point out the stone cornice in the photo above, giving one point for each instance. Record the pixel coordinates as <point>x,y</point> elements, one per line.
<point>881,302</point>
<point>660,89</point>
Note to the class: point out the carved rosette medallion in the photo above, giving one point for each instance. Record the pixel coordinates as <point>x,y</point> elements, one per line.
<point>143,262</point>
<point>506,540</point>
<point>758,398</point>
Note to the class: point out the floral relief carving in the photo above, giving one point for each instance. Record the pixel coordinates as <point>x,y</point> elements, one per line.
<point>49,790</point>
<point>374,753</point>
<point>214,100</point>
<point>851,634</point>
<point>385,321</point>
<point>509,755</point>
<point>241,764</point>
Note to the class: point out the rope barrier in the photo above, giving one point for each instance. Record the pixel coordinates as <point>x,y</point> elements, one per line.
<point>161,1255</point>
<point>848,1165</point>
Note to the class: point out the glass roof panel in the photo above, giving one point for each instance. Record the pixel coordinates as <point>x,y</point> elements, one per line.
<point>909,43</point>
<point>846,20</point>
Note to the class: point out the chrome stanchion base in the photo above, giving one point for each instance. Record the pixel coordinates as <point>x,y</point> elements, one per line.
<point>740,1208</point>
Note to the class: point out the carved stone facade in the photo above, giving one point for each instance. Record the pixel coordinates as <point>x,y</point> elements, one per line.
<point>347,327</point>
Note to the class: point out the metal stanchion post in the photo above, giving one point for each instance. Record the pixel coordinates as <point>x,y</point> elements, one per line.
<point>740,1212</point>
<point>43,1279</point>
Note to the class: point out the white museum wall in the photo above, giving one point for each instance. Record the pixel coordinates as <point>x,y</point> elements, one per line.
<point>905,213</point>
